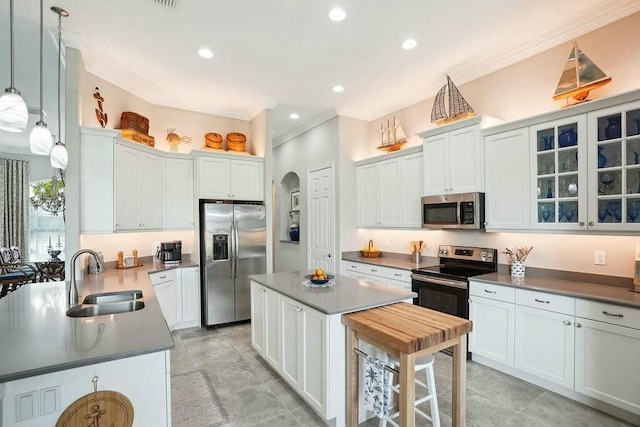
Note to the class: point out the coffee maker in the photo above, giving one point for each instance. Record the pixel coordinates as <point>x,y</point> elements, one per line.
<point>170,252</point>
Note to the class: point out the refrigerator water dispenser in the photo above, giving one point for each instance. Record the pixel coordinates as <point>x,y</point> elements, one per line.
<point>220,247</point>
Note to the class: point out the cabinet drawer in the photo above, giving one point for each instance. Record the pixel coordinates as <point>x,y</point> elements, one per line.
<point>545,301</point>
<point>608,313</point>
<point>354,266</point>
<point>399,284</point>
<point>496,292</point>
<point>399,275</point>
<point>375,270</point>
<point>162,276</point>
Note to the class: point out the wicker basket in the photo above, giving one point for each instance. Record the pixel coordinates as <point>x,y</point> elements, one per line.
<point>129,120</point>
<point>236,141</point>
<point>213,140</point>
<point>134,135</point>
<point>373,254</point>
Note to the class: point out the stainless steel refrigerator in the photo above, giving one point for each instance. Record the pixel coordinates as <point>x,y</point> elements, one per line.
<point>232,247</point>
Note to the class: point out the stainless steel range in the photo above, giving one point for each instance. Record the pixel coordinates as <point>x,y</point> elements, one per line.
<point>445,287</point>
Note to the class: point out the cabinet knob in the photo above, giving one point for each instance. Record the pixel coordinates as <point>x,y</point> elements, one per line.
<point>591,224</point>
<point>578,325</point>
<point>329,255</point>
<point>581,223</point>
<point>566,322</point>
<point>298,309</point>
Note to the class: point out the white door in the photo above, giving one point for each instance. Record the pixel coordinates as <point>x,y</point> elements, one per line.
<point>544,344</point>
<point>465,161</point>
<point>150,191</point>
<point>312,348</point>
<point>367,195</point>
<point>390,187</point>
<point>167,295</point>
<point>493,329</point>
<point>436,164</point>
<point>246,181</point>
<point>127,179</point>
<point>321,218</point>
<point>180,195</point>
<point>272,329</point>
<point>412,184</point>
<point>290,341</point>
<point>258,316</point>
<point>190,283</point>
<point>213,178</point>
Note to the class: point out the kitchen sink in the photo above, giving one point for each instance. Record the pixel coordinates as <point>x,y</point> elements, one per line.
<point>91,310</point>
<point>112,297</point>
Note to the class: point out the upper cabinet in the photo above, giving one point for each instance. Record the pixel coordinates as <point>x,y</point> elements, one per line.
<point>179,194</point>
<point>223,177</point>
<point>614,172</point>
<point>454,158</point>
<point>389,189</point>
<point>559,174</point>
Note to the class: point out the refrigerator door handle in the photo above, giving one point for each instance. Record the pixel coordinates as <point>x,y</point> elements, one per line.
<point>236,239</point>
<point>231,250</point>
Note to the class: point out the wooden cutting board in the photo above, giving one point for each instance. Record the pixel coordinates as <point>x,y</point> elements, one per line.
<point>101,408</point>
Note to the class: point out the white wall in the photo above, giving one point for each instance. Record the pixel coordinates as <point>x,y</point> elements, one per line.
<point>315,146</point>
<point>262,144</point>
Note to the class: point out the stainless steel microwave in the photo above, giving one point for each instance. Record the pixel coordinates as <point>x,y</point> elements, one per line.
<point>453,211</point>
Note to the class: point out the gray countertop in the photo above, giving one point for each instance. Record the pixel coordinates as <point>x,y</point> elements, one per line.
<point>394,260</point>
<point>346,296</point>
<point>36,336</point>
<point>604,293</point>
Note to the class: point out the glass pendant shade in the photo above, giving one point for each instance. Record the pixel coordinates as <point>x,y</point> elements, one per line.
<point>59,156</point>
<point>40,140</point>
<point>13,111</point>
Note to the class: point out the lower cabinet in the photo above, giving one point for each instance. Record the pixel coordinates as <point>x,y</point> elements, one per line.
<point>544,344</point>
<point>178,293</point>
<point>389,276</point>
<point>587,347</point>
<point>306,348</point>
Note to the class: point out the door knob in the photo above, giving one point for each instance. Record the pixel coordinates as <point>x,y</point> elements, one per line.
<point>329,255</point>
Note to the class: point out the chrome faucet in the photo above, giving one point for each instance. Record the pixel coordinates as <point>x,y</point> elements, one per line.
<point>72,296</point>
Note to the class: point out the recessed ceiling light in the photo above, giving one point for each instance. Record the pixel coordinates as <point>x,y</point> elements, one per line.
<point>338,88</point>
<point>205,53</point>
<point>409,44</point>
<point>337,14</point>
<point>294,116</point>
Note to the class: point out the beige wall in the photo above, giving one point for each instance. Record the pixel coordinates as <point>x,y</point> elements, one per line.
<point>144,243</point>
<point>185,123</point>
<point>518,91</point>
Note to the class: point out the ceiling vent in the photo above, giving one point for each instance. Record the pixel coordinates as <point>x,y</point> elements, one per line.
<point>170,4</point>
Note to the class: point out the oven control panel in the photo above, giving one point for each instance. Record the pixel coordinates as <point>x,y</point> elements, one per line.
<point>468,253</point>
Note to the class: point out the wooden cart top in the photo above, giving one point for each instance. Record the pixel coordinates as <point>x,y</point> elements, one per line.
<point>405,327</point>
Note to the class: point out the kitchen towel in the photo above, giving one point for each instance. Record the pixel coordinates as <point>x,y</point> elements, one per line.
<point>376,387</point>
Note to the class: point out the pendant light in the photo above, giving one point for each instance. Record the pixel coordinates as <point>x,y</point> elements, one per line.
<point>13,111</point>
<point>40,139</point>
<point>59,156</point>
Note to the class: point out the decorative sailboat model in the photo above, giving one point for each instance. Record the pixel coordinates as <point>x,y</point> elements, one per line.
<point>580,75</point>
<point>393,137</point>
<point>459,108</point>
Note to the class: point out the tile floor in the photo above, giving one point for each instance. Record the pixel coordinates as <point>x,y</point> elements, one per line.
<point>217,379</point>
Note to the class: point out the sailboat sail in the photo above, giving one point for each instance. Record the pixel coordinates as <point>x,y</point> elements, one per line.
<point>580,75</point>
<point>459,108</point>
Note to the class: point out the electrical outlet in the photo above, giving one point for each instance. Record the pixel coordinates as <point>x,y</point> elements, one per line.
<point>386,243</point>
<point>600,258</point>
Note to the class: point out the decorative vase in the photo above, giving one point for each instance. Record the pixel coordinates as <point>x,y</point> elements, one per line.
<point>549,190</point>
<point>548,142</point>
<point>517,269</point>
<point>567,138</point>
<point>602,160</point>
<point>613,129</point>
<point>294,232</point>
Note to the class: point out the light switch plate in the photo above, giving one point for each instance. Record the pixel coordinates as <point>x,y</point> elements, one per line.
<point>600,258</point>
<point>49,400</point>
<point>26,406</point>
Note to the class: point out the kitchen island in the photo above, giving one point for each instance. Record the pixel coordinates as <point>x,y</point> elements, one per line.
<point>297,329</point>
<point>48,360</point>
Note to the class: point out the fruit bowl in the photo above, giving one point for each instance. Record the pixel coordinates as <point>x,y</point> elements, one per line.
<point>319,281</point>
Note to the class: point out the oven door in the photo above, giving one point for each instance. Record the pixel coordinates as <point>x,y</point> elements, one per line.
<point>444,295</point>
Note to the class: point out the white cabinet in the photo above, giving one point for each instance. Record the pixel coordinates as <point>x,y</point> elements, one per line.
<point>507,180</point>
<point>222,177</point>
<point>544,344</point>
<point>607,349</point>
<point>389,189</point>
<point>310,345</point>
<point>166,289</point>
<point>189,297</point>
<point>139,190</point>
<point>178,293</point>
<point>179,194</point>
<point>97,180</point>
<point>492,312</point>
<point>453,159</point>
<point>395,277</point>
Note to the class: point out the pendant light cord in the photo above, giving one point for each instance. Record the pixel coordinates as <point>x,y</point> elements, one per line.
<point>41,49</point>
<point>59,62</point>
<point>11,41</point>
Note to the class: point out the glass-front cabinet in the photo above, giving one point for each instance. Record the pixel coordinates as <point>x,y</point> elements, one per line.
<point>559,165</point>
<point>614,174</point>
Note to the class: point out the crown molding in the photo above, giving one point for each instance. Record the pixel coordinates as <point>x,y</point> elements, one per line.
<point>604,14</point>
<point>306,126</point>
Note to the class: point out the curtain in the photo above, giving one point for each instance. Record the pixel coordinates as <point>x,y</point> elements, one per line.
<point>14,204</point>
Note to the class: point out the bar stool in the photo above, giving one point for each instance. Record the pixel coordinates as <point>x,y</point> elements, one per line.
<point>425,363</point>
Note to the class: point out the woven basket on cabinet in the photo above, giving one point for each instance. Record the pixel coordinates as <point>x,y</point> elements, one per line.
<point>236,141</point>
